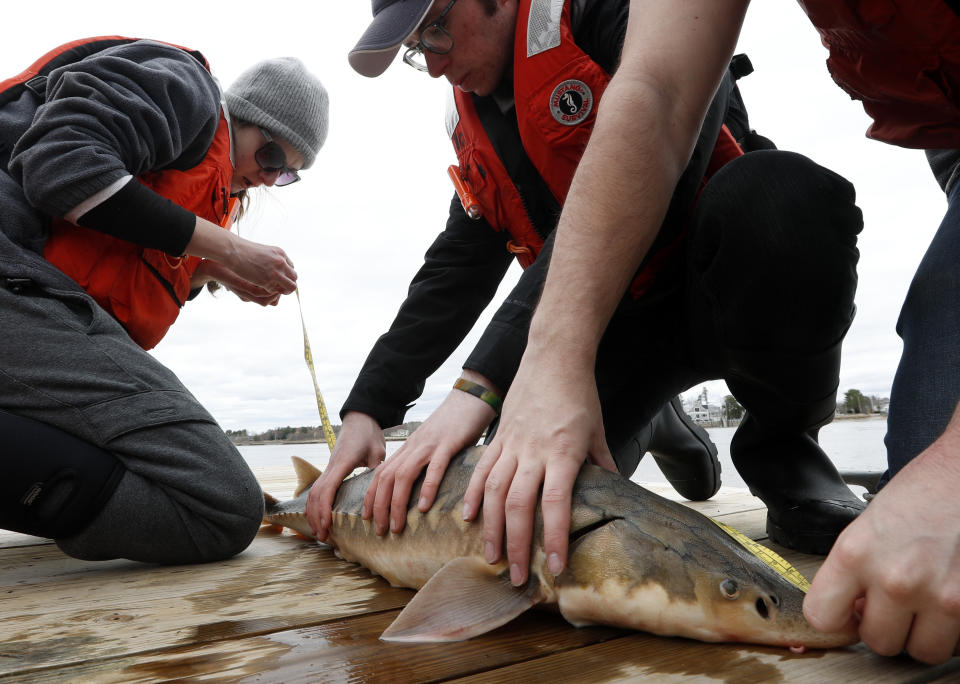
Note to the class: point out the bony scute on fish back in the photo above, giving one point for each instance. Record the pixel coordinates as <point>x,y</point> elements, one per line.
<point>635,560</point>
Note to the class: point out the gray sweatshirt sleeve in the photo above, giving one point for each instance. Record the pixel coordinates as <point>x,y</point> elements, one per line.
<point>130,109</point>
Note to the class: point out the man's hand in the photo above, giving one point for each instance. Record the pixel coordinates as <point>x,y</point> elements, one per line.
<point>551,423</point>
<point>360,443</point>
<point>456,424</point>
<point>612,214</point>
<point>897,567</point>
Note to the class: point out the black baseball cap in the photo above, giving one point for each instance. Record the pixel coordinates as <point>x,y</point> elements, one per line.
<point>393,20</point>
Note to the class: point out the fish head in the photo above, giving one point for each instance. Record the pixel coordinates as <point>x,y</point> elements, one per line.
<point>748,601</point>
<point>662,567</point>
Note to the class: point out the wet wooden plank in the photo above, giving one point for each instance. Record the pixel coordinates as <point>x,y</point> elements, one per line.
<point>645,658</point>
<point>346,650</point>
<point>58,611</point>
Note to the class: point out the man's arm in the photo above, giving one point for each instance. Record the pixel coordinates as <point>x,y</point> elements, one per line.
<point>895,567</point>
<point>673,58</point>
<point>458,279</point>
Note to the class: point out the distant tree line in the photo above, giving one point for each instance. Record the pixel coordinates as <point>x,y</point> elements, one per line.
<point>311,433</point>
<point>732,408</point>
<point>856,402</point>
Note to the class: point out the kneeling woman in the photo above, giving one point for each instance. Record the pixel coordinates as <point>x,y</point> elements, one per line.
<point>125,164</point>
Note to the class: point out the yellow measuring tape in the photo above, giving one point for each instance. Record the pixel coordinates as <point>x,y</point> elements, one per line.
<point>775,561</point>
<point>308,357</point>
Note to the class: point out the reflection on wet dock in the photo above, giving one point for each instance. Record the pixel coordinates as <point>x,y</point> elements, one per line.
<point>288,610</point>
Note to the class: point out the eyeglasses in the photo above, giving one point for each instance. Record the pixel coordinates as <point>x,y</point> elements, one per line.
<point>433,38</point>
<point>271,158</point>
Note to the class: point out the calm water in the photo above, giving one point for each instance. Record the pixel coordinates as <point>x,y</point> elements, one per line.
<point>852,444</point>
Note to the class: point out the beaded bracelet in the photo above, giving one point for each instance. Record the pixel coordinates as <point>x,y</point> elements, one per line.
<point>481,392</point>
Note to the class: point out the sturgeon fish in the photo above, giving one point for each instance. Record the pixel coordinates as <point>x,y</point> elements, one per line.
<point>636,560</point>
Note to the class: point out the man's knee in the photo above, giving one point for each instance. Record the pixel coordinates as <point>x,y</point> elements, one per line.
<point>775,234</point>
<point>781,203</point>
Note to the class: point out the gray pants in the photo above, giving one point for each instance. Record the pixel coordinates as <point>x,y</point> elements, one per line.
<point>187,495</point>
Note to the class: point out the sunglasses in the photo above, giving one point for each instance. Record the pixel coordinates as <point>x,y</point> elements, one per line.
<point>272,159</point>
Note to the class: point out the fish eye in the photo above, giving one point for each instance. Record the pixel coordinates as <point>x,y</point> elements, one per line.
<point>729,589</point>
<point>762,609</point>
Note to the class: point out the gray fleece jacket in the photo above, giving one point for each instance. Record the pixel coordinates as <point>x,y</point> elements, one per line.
<point>138,107</point>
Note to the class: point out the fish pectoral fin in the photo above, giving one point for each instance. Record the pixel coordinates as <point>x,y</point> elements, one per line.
<point>307,473</point>
<point>465,598</point>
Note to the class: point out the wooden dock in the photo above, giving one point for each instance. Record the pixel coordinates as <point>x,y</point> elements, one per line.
<point>288,610</point>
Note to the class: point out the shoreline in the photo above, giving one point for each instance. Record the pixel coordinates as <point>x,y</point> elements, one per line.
<point>276,442</point>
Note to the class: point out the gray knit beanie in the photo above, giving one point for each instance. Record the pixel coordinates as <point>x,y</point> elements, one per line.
<point>283,97</point>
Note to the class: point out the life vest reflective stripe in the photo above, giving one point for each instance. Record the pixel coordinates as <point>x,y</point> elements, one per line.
<point>144,289</point>
<point>901,58</point>
<point>556,89</point>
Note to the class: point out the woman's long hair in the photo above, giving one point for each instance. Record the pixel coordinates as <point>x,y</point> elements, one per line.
<point>244,197</point>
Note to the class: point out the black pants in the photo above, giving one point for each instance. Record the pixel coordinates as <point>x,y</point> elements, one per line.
<point>761,297</point>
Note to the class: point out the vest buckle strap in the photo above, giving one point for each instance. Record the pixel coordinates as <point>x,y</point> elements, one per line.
<point>38,85</point>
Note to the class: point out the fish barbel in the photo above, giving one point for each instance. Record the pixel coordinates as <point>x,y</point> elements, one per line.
<point>635,560</point>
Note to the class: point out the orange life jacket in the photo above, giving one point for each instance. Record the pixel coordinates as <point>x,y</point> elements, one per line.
<point>144,289</point>
<point>901,58</point>
<point>556,90</point>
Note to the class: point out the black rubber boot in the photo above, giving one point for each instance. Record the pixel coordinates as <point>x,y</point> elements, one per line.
<point>681,448</point>
<point>808,503</point>
<point>684,452</point>
<point>53,483</point>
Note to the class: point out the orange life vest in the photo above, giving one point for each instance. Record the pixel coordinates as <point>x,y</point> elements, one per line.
<point>901,58</point>
<point>556,90</point>
<point>144,289</point>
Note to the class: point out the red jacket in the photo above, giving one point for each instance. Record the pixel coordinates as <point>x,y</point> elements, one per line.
<point>901,58</point>
<point>556,90</point>
<point>145,288</point>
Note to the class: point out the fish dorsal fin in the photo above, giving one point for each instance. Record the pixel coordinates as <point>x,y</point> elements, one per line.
<point>307,473</point>
<point>465,598</point>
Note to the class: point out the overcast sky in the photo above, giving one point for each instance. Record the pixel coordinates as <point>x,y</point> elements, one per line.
<point>358,224</point>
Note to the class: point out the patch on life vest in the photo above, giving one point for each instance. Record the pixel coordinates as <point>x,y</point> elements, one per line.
<point>571,102</point>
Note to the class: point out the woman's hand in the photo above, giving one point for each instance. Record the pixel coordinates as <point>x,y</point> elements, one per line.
<point>209,270</point>
<point>264,266</point>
